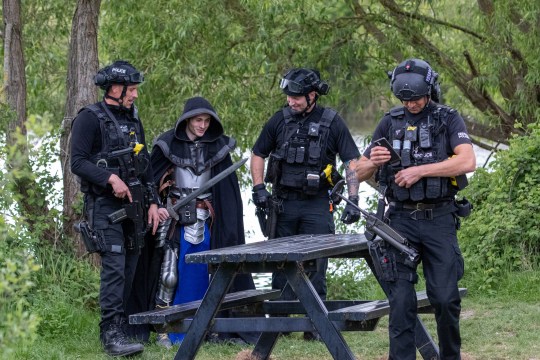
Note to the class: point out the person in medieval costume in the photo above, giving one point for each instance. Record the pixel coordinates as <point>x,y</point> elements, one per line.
<point>183,159</point>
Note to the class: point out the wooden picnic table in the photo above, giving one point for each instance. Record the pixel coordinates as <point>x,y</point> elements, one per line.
<point>295,256</point>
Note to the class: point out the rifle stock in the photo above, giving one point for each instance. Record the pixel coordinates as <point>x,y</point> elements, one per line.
<point>380,228</point>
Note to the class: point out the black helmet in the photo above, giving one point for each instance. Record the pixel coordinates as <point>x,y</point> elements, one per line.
<point>119,72</point>
<point>413,79</point>
<point>302,81</point>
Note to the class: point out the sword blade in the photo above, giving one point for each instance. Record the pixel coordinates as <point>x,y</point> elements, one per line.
<point>173,210</point>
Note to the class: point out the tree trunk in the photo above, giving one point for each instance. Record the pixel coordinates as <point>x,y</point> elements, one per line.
<point>28,195</point>
<point>81,91</point>
<point>14,74</point>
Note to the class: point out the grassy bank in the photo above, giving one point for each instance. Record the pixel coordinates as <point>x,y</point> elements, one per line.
<point>493,327</point>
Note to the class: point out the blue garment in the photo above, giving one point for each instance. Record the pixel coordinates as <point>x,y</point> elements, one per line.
<point>193,279</point>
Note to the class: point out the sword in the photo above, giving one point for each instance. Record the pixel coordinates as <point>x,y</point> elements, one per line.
<point>173,209</point>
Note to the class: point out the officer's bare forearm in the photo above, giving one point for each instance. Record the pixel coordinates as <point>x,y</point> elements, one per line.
<point>350,177</point>
<point>365,169</point>
<point>257,169</point>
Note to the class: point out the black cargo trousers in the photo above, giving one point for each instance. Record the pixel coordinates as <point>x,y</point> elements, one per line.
<point>442,263</point>
<point>305,216</point>
<point>118,264</point>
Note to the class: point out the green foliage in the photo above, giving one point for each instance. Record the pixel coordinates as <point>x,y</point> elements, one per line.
<point>31,183</point>
<point>17,322</point>
<point>351,279</point>
<point>502,233</point>
<point>46,41</point>
<point>236,63</point>
<point>234,51</point>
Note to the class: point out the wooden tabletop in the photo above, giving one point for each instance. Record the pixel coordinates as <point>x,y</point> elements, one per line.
<point>291,248</point>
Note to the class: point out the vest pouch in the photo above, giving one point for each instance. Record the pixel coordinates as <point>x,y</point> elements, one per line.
<point>291,155</point>
<point>273,170</point>
<point>433,188</point>
<point>314,153</point>
<point>400,193</point>
<point>140,164</point>
<point>292,176</point>
<point>464,207</point>
<point>300,155</point>
<point>188,213</point>
<point>313,180</point>
<point>417,191</point>
<point>445,186</point>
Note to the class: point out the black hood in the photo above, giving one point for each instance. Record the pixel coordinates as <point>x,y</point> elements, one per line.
<point>195,106</point>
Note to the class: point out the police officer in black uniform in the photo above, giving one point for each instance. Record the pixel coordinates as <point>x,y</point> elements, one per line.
<point>435,148</point>
<point>108,154</point>
<point>302,139</point>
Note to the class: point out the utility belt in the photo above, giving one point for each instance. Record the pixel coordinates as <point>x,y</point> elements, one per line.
<point>424,211</point>
<point>299,195</point>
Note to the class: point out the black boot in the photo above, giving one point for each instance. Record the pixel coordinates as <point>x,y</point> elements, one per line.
<point>115,341</point>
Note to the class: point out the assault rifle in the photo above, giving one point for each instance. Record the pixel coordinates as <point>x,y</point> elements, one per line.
<point>380,228</point>
<point>136,209</point>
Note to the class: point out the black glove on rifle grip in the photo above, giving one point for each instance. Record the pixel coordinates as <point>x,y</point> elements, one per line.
<point>350,213</point>
<point>261,196</point>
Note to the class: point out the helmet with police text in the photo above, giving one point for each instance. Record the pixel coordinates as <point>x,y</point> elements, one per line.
<point>119,72</point>
<point>414,79</point>
<point>302,81</point>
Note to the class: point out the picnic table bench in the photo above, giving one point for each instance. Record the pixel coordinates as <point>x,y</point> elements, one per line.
<point>260,310</point>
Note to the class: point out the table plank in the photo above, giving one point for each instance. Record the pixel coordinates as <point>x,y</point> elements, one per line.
<point>290,248</point>
<point>181,311</point>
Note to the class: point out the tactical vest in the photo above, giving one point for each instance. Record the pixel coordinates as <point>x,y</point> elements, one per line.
<point>418,143</point>
<point>117,135</point>
<point>302,153</point>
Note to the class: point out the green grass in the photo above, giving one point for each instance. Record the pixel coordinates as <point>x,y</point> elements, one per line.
<point>502,324</point>
<point>492,328</point>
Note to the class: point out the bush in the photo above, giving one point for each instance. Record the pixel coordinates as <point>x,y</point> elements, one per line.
<point>17,324</point>
<point>351,279</point>
<point>503,232</point>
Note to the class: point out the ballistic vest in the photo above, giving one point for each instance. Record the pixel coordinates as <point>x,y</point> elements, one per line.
<point>423,141</point>
<point>302,153</point>
<point>117,135</point>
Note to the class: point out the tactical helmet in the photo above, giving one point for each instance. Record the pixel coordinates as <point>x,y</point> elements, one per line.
<point>119,72</point>
<point>301,81</point>
<point>413,79</point>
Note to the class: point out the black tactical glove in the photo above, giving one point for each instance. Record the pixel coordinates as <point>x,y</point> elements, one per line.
<point>261,196</point>
<point>350,213</point>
